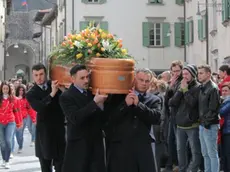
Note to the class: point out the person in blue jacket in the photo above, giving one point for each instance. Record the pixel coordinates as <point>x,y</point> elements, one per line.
<point>225,113</point>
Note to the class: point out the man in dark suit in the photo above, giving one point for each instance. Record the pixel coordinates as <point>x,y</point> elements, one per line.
<point>50,128</point>
<point>130,138</point>
<point>85,149</point>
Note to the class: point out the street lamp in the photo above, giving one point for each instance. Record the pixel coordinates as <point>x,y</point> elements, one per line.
<point>25,51</point>
<point>7,54</point>
<point>16,45</point>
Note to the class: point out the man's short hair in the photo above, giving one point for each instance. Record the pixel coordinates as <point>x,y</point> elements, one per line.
<point>144,70</point>
<point>176,63</point>
<point>77,68</point>
<point>206,68</point>
<point>225,68</point>
<point>38,67</point>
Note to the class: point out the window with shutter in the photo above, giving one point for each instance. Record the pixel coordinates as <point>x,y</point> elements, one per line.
<point>166,36</point>
<point>200,29</point>
<point>156,34</point>
<point>204,27</point>
<point>191,30</point>
<point>187,33</point>
<point>146,33</point>
<point>83,25</point>
<point>179,34</point>
<point>179,2</point>
<point>225,10</point>
<point>98,23</point>
<point>155,1</point>
<point>104,25</point>
<point>93,1</point>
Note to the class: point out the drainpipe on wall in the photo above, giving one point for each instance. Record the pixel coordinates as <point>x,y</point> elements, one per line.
<point>65,28</point>
<point>185,48</point>
<point>73,18</point>
<point>207,33</point>
<point>5,48</point>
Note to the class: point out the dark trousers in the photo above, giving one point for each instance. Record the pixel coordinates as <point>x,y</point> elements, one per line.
<point>190,136</point>
<point>226,152</point>
<point>46,165</point>
<point>171,142</point>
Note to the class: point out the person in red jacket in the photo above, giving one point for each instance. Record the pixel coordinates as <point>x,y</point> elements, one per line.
<point>224,74</point>
<point>28,114</point>
<point>9,118</point>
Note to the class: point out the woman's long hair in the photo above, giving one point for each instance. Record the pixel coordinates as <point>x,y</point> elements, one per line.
<point>18,91</point>
<point>1,93</point>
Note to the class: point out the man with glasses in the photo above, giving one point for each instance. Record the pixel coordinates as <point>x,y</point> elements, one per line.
<point>176,71</point>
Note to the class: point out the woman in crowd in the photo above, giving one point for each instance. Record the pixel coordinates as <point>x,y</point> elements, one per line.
<point>28,116</point>
<point>158,88</point>
<point>10,118</point>
<point>225,113</point>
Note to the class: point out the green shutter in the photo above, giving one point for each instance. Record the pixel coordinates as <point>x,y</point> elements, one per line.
<point>179,2</point>
<point>159,1</point>
<point>204,27</point>
<point>200,29</point>
<point>83,25</point>
<point>191,23</point>
<point>152,1</point>
<point>177,30</point>
<point>187,31</point>
<point>146,34</point>
<point>228,4</point>
<point>166,38</point>
<point>104,25</point>
<point>225,10</point>
<point>84,1</point>
<point>102,1</point>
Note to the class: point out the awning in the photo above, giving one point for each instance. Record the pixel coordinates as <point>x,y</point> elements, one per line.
<point>36,35</point>
<point>40,14</point>
<point>48,18</point>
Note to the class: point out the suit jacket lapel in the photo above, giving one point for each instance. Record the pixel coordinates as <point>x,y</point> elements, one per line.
<point>76,93</point>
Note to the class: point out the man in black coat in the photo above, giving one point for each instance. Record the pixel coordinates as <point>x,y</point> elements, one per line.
<point>85,149</point>
<point>50,128</point>
<point>130,138</point>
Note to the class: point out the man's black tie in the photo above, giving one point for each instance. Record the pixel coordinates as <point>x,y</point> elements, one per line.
<point>44,88</point>
<point>85,92</point>
<point>141,97</point>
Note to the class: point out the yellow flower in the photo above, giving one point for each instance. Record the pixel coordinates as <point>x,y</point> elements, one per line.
<point>103,35</point>
<point>93,36</point>
<point>100,30</point>
<point>89,45</point>
<point>87,31</point>
<point>78,37</point>
<point>98,54</point>
<point>102,49</point>
<point>79,55</point>
<point>124,51</point>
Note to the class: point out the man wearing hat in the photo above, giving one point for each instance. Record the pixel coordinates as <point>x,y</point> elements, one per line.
<point>186,101</point>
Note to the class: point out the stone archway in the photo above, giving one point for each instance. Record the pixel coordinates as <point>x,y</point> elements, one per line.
<point>19,57</point>
<point>22,70</point>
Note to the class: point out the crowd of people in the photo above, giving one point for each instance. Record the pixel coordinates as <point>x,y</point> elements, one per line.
<point>178,121</point>
<point>15,115</point>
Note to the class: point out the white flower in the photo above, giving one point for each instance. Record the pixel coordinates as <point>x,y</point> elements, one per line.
<point>106,45</point>
<point>78,44</point>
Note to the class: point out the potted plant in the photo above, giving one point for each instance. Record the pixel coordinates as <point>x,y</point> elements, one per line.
<point>112,68</point>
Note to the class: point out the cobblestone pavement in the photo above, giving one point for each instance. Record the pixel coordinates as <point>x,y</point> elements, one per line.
<point>26,161</point>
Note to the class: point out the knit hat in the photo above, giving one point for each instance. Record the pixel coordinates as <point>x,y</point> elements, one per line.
<point>192,70</point>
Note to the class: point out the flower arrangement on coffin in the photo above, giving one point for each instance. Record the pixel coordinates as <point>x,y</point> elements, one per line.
<point>89,43</point>
<point>98,48</point>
